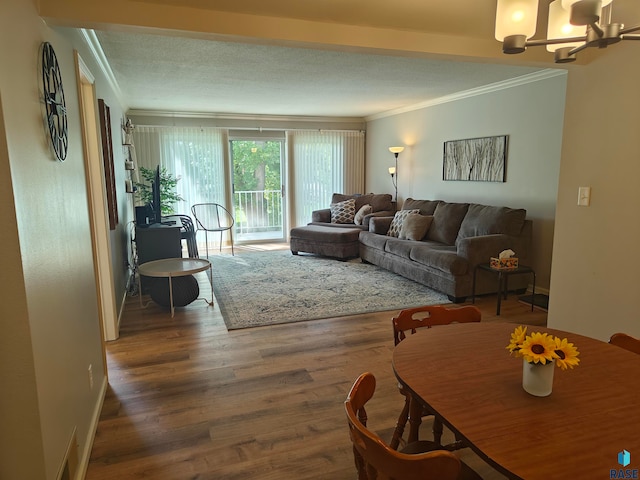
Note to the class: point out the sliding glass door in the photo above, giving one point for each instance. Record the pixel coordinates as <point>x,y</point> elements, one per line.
<point>258,186</point>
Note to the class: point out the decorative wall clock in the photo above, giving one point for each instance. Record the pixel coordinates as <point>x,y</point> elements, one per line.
<point>56,109</point>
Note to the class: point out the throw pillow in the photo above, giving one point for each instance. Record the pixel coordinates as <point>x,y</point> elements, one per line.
<point>343,212</point>
<point>446,222</point>
<point>415,227</point>
<point>398,219</point>
<point>360,214</point>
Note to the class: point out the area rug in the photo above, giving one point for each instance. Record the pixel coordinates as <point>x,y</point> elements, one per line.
<point>267,288</point>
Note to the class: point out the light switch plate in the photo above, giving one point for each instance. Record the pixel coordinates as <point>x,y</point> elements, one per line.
<point>584,196</point>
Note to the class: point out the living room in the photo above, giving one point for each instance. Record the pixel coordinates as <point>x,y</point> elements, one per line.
<point>53,300</point>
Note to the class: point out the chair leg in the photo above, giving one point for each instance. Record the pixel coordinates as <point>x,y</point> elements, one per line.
<point>206,243</point>
<point>231,236</point>
<point>437,430</point>
<point>402,422</point>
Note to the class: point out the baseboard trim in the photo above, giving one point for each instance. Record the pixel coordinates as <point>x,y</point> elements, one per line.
<point>544,291</point>
<point>91,435</point>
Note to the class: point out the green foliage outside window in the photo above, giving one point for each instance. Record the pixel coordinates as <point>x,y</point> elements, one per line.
<point>259,170</point>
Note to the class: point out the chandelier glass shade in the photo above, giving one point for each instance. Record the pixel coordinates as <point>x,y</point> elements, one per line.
<point>572,26</point>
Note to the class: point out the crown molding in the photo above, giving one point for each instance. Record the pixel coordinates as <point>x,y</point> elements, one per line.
<point>100,58</point>
<point>231,116</point>
<point>483,90</point>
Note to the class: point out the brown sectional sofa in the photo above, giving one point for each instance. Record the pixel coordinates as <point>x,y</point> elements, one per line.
<point>460,236</point>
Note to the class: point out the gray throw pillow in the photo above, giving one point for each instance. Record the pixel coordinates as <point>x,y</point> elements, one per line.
<point>446,222</point>
<point>360,214</point>
<point>398,219</point>
<point>415,227</point>
<point>343,212</point>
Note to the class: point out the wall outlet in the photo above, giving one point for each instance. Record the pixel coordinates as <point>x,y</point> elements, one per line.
<point>91,377</point>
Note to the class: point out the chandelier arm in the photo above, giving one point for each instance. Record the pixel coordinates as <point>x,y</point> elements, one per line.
<point>552,41</point>
<point>631,37</point>
<point>596,28</point>
<point>635,28</point>
<point>578,49</point>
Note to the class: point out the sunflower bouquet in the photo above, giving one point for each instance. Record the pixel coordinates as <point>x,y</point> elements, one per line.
<point>542,348</point>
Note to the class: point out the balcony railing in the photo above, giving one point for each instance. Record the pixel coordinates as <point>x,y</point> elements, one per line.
<point>258,212</point>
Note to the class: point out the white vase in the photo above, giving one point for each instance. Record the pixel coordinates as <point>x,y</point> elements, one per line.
<point>537,379</point>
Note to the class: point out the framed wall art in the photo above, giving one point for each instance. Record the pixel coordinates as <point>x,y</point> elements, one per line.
<point>475,159</point>
<point>107,156</point>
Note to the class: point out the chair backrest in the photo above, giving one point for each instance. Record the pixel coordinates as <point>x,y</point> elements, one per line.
<point>375,460</point>
<point>428,316</point>
<point>212,217</point>
<point>625,341</point>
<point>185,221</point>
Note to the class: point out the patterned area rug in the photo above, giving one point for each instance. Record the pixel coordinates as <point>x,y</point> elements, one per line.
<point>266,288</point>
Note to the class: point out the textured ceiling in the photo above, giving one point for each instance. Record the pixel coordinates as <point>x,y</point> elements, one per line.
<point>170,73</point>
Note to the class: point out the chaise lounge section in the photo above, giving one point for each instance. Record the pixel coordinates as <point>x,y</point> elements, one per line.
<point>333,232</point>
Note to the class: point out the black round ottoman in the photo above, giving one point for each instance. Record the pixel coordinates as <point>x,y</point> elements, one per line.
<point>185,290</point>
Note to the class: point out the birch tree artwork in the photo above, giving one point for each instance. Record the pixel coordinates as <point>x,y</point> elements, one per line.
<point>475,159</point>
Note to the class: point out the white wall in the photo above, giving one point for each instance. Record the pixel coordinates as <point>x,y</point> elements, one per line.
<point>49,305</point>
<point>595,279</point>
<point>532,116</point>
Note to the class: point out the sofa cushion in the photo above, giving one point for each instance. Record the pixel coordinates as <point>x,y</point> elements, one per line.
<point>343,212</point>
<point>378,201</point>
<point>426,207</point>
<point>442,258</point>
<point>415,227</point>
<point>487,220</point>
<point>374,240</point>
<point>402,248</point>
<point>361,213</point>
<point>447,218</point>
<point>398,219</point>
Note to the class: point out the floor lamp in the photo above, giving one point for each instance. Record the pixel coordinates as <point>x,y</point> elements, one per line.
<point>393,171</point>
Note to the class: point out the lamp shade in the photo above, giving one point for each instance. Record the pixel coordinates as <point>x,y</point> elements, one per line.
<point>392,170</point>
<point>396,149</point>
<point>559,26</point>
<point>516,17</point>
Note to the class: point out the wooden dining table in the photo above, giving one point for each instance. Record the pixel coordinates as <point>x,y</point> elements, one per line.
<point>464,373</point>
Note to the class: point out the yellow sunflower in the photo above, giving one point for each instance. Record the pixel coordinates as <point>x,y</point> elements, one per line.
<point>538,348</point>
<point>517,337</point>
<point>567,353</point>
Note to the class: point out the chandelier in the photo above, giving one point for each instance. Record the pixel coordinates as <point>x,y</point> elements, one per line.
<point>573,25</point>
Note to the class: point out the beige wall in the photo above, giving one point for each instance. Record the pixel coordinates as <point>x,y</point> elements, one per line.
<point>49,309</point>
<point>594,278</point>
<point>532,116</point>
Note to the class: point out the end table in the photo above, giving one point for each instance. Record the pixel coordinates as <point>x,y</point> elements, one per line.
<point>503,275</point>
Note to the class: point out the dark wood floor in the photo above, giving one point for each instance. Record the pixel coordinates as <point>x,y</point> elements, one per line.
<point>190,400</point>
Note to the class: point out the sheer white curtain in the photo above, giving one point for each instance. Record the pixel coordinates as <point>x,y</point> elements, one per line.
<point>193,155</point>
<point>322,163</point>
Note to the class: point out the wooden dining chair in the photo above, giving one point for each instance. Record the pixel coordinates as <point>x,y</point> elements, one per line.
<point>408,322</point>
<point>625,341</point>
<point>376,460</point>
